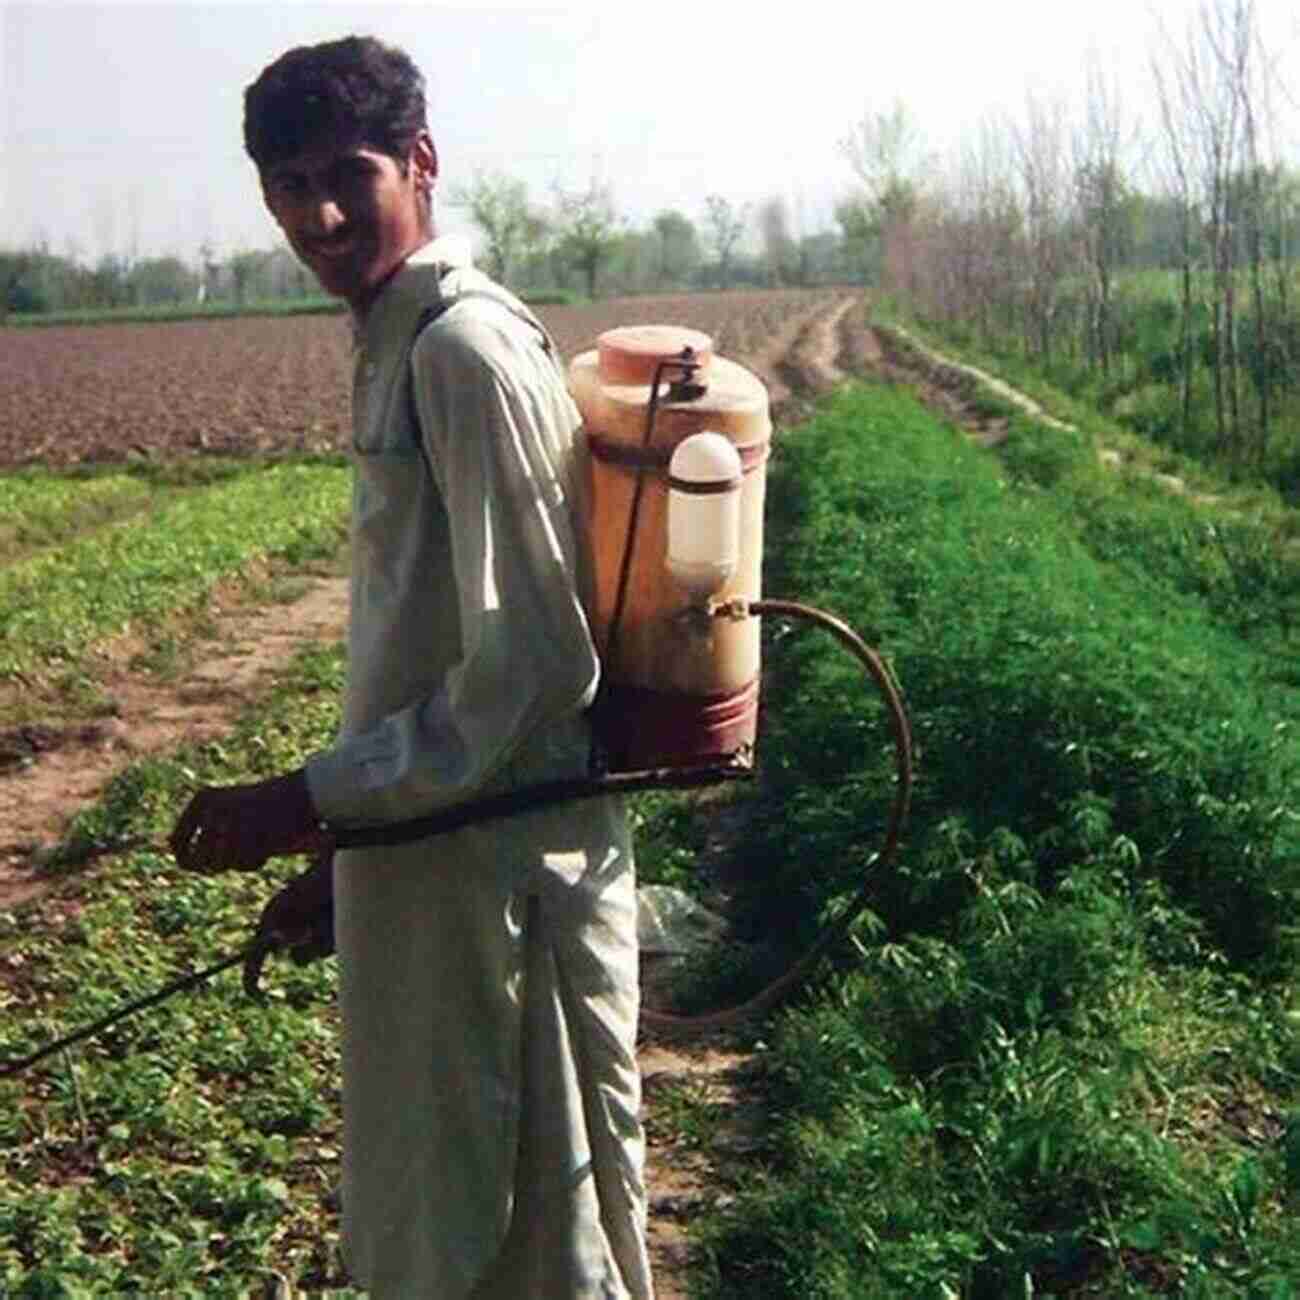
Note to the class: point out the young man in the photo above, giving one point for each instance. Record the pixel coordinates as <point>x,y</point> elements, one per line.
<point>487,978</point>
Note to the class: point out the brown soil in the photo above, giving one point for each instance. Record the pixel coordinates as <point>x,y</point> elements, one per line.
<point>48,773</point>
<point>802,345</point>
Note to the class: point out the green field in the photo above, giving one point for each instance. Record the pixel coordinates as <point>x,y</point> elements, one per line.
<point>1061,1056</point>
<point>310,305</point>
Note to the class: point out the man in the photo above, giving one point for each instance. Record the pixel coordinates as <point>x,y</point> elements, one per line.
<point>487,978</point>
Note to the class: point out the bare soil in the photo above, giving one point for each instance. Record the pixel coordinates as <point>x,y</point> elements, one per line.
<point>801,344</point>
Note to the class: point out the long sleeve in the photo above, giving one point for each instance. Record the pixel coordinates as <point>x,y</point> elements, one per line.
<point>497,425</point>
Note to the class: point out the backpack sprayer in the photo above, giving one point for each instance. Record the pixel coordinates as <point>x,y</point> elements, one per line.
<point>678,440</point>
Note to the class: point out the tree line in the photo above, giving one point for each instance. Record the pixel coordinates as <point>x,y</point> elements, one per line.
<point>1150,265</point>
<point>36,280</point>
<point>577,244</point>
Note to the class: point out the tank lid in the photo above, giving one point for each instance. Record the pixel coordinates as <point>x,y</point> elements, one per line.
<point>629,354</point>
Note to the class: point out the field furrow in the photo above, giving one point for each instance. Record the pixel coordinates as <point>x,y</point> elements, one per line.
<point>279,385</point>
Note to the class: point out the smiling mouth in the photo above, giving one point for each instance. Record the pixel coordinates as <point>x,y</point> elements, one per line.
<point>332,249</point>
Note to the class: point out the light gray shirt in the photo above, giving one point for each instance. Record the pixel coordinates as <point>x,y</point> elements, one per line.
<point>488,978</point>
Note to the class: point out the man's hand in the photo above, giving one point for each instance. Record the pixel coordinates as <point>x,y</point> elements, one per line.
<point>240,826</point>
<point>300,918</point>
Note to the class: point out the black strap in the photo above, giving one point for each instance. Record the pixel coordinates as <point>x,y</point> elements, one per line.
<point>432,313</point>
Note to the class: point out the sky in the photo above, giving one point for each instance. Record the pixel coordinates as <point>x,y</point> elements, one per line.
<point>120,122</point>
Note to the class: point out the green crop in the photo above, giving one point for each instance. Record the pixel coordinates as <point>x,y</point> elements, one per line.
<point>1061,1054</point>
<point>55,603</point>
<point>188,1150</point>
<point>39,510</point>
<point>1082,964</point>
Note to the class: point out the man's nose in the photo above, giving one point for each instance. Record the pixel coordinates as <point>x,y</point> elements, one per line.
<point>323,217</point>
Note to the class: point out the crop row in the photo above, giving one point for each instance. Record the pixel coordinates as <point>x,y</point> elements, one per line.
<point>59,600</point>
<point>42,510</point>
<point>190,1148</point>
<point>1062,1059</point>
<point>1082,967</point>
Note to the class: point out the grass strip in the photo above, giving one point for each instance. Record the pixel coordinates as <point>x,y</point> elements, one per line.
<point>55,603</point>
<point>1056,390</point>
<point>1066,1057</point>
<point>310,305</point>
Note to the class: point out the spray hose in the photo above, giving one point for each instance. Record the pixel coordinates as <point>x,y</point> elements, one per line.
<point>530,798</point>
<point>781,987</point>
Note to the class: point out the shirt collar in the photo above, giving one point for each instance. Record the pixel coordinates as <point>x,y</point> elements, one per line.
<point>407,291</point>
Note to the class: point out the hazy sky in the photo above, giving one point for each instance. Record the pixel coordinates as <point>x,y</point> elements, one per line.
<point>120,122</point>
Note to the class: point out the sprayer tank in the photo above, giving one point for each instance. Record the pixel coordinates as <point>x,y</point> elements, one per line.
<point>676,689</point>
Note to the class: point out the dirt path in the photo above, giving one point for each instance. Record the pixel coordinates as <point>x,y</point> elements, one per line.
<point>945,384</point>
<point>65,769</point>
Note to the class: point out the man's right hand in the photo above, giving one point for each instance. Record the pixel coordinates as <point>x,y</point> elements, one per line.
<point>300,918</point>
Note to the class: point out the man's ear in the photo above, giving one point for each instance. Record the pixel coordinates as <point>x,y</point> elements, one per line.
<point>424,158</point>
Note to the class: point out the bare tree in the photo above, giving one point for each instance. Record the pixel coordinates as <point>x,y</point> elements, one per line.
<point>1101,193</point>
<point>1173,93</point>
<point>1256,88</point>
<point>1040,151</point>
<point>1208,66</point>
<point>979,235</point>
<point>498,205</point>
<point>887,154</point>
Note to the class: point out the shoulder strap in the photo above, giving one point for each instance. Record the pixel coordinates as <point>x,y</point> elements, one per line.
<point>508,301</point>
<point>432,312</point>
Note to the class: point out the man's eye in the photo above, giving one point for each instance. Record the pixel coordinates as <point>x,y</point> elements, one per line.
<point>354,175</point>
<point>287,186</point>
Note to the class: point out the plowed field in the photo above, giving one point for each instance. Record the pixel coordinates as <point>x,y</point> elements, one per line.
<point>264,385</point>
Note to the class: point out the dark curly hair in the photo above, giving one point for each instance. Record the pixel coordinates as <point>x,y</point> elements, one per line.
<point>357,90</point>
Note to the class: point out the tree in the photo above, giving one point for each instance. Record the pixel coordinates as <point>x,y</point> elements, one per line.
<point>589,229</point>
<point>1041,160</point>
<point>888,156</point>
<point>858,234</point>
<point>726,225</point>
<point>110,282</point>
<point>821,259</point>
<point>1102,197</point>
<point>780,253</point>
<point>1173,96</point>
<point>499,207</point>
<point>13,297</point>
<point>1204,82</point>
<point>678,251</point>
<point>248,274</point>
<point>886,152</point>
<point>162,280</point>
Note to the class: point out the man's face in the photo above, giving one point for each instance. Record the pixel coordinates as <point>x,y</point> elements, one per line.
<point>350,214</point>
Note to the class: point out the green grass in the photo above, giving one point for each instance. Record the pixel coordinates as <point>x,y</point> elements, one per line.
<point>1065,1053</point>
<point>311,305</point>
<point>307,305</point>
<point>56,603</point>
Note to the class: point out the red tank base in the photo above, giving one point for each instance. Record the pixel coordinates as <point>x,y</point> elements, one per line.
<point>639,728</point>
